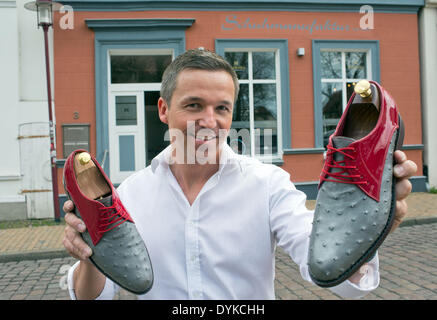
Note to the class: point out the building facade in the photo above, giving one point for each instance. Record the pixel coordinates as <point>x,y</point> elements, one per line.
<point>297,63</point>
<point>25,178</point>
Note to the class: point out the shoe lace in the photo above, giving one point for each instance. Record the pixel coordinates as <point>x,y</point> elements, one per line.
<point>113,216</point>
<point>341,176</point>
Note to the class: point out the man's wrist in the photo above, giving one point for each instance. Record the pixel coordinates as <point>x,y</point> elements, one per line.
<point>358,275</point>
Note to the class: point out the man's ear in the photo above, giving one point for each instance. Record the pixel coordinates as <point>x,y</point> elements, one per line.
<point>163,110</point>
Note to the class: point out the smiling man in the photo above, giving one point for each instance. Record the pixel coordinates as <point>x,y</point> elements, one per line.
<point>201,110</point>
<point>211,228</point>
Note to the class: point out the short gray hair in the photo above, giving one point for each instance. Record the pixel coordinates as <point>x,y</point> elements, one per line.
<point>197,59</point>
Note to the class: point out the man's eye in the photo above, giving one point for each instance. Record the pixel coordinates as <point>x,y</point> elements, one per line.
<point>222,108</point>
<point>193,105</point>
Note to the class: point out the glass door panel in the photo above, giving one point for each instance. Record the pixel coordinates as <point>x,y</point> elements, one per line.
<point>126,137</point>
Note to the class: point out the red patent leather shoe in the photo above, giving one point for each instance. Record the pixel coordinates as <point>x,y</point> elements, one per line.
<point>110,231</point>
<point>355,206</point>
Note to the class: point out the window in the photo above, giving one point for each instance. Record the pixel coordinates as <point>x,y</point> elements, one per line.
<point>338,66</point>
<point>259,129</point>
<point>138,68</point>
<point>255,116</point>
<point>340,72</point>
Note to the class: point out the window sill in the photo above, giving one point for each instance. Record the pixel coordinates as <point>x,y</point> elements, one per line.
<point>304,151</point>
<point>276,161</point>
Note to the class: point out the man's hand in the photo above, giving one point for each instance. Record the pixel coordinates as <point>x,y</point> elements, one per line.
<point>88,282</point>
<point>72,241</point>
<point>403,170</point>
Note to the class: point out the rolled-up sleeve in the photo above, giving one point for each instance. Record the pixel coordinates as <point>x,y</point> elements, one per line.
<point>108,292</point>
<point>368,282</point>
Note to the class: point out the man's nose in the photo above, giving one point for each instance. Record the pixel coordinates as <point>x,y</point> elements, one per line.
<point>208,119</point>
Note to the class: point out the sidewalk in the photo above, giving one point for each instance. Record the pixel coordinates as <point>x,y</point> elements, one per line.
<point>45,242</point>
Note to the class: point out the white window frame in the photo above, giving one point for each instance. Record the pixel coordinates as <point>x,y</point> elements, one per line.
<point>250,81</point>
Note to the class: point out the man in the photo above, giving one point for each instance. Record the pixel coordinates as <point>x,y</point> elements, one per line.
<point>211,227</point>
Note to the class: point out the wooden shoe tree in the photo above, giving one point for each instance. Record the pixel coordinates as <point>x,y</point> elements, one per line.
<point>363,113</point>
<point>91,182</point>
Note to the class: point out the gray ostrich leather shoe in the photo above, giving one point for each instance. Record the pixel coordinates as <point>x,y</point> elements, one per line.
<point>355,206</point>
<point>118,250</point>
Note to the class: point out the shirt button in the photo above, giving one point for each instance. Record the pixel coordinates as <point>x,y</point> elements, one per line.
<point>193,258</point>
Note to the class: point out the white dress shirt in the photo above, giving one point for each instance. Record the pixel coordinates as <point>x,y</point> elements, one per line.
<point>223,245</point>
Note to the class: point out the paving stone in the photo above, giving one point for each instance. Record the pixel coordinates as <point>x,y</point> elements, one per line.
<point>408,270</point>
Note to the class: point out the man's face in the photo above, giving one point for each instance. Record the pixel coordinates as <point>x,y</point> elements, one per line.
<point>201,105</point>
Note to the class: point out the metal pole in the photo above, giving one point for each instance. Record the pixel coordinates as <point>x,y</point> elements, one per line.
<point>52,129</point>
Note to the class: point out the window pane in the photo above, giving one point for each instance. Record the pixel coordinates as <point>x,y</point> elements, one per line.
<point>331,64</point>
<point>125,110</point>
<point>265,116</point>
<point>264,101</point>
<point>127,152</point>
<point>356,65</point>
<point>238,61</point>
<point>239,135</point>
<point>241,109</point>
<point>138,69</point>
<point>332,103</point>
<point>350,89</point>
<point>263,64</point>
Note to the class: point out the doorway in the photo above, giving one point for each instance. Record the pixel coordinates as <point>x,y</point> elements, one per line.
<point>136,134</point>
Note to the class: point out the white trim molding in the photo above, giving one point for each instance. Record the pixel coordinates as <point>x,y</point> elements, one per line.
<point>13,177</point>
<point>8,4</point>
<point>13,199</point>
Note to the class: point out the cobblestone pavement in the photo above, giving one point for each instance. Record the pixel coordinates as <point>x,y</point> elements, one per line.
<point>408,270</point>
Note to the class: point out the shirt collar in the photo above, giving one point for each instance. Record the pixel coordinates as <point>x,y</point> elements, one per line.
<point>163,159</point>
<point>228,158</point>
